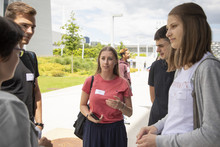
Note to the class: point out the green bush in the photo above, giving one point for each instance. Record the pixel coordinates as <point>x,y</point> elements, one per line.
<point>57,51</point>
<point>48,69</point>
<point>58,60</point>
<point>61,66</point>
<point>58,73</point>
<point>66,61</point>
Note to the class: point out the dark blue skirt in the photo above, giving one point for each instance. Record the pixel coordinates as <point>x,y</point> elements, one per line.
<point>104,135</point>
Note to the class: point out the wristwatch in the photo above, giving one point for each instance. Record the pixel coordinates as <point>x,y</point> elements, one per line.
<point>40,124</point>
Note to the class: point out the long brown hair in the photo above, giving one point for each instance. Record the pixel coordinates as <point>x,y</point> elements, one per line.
<point>116,69</point>
<point>196,40</point>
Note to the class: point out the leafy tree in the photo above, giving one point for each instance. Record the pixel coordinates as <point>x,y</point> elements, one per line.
<point>71,39</point>
<point>121,46</point>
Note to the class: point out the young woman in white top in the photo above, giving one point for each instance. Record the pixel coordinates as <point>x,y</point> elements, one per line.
<point>193,110</point>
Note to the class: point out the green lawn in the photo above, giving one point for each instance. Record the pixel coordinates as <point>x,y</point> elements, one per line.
<point>53,83</point>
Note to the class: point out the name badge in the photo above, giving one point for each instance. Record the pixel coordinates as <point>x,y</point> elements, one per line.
<point>29,77</point>
<point>101,92</point>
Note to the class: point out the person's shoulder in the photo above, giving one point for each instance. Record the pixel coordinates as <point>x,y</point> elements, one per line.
<point>121,62</point>
<point>31,53</point>
<point>210,62</point>
<point>122,80</point>
<point>89,78</point>
<point>156,63</point>
<point>208,67</point>
<point>6,97</point>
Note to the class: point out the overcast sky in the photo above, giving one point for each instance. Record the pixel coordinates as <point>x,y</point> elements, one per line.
<point>140,19</point>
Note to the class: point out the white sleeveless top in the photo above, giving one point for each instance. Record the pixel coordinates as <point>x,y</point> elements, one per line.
<point>180,105</point>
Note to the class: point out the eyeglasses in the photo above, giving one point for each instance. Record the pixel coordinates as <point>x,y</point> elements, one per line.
<point>21,53</point>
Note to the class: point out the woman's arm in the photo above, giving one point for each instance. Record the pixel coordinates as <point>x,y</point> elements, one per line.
<point>126,107</point>
<point>84,108</point>
<point>83,103</point>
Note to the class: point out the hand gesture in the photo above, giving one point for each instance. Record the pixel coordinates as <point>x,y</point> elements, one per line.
<point>148,140</point>
<point>115,104</point>
<point>146,130</point>
<point>94,118</point>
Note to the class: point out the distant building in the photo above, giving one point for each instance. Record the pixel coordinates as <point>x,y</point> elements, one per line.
<point>141,63</point>
<point>143,49</point>
<point>87,40</point>
<point>41,42</point>
<point>94,43</point>
<point>216,49</point>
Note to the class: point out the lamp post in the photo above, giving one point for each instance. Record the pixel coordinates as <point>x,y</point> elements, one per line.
<point>112,37</point>
<point>83,42</point>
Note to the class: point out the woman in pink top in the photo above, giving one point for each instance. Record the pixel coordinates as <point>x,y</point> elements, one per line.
<point>109,99</point>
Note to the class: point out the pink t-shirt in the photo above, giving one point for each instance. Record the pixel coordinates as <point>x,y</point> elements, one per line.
<point>103,90</point>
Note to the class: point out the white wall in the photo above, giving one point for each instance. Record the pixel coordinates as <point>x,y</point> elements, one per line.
<point>41,42</point>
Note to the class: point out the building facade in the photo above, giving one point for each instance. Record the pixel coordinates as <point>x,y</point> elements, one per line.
<point>216,49</point>
<point>41,42</point>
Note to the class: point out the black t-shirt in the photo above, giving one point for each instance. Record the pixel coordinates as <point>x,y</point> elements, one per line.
<point>22,84</point>
<point>161,81</point>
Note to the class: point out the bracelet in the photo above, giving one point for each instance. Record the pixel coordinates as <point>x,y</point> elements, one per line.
<point>123,106</point>
<point>87,115</point>
<point>40,124</point>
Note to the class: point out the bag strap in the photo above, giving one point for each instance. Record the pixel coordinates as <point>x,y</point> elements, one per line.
<point>91,82</point>
<point>91,87</point>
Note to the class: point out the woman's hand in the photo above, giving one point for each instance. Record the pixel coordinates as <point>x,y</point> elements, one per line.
<point>125,108</point>
<point>146,130</point>
<point>94,119</point>
<point>148,140</point>
<point>115,104</point>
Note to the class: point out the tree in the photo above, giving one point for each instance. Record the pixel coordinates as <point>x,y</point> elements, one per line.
<point>121,46</point>
<point>71,39</point>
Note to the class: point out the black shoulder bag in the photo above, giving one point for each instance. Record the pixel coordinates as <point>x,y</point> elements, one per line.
<point>80,121</point>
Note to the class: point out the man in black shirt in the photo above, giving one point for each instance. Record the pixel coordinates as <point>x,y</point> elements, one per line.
<point>160,80</point>
<point>24,84</point>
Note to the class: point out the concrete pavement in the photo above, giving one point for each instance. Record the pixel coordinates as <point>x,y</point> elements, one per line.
<point>60,109</point>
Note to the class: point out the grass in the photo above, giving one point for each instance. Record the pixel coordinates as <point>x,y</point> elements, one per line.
<point>53,83</point>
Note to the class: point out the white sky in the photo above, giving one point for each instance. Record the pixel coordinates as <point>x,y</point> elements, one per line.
<point>138,23</point>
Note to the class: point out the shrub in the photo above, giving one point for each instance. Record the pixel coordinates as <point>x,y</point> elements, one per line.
<point>47,69</point>
<point>133,70</point>
<point>62,65</point>
<point>58,73</point>
<point>58,60</point>
<point>66,61</point>
<point>57,51</point>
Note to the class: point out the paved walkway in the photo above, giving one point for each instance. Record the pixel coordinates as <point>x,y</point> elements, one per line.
<point>60,109</point>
